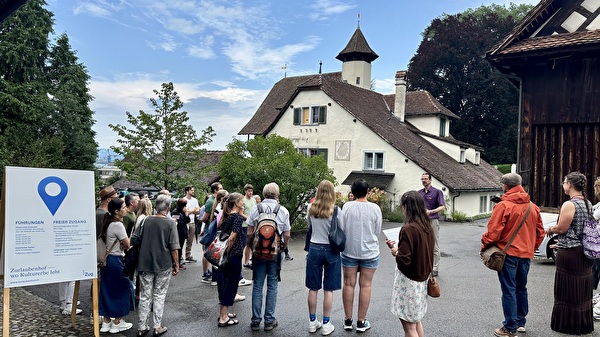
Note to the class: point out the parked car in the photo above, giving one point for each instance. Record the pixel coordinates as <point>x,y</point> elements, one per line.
<point>548,247</point>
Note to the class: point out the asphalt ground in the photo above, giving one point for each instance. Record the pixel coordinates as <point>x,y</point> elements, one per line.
<point>469,305</point>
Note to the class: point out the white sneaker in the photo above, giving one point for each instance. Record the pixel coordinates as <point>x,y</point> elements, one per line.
<point>596,298</point>
<point>67,310</point>
<point>314,325</point>
<point>521,329</point>
<point>327,329</point>
<point>122,326</point>
<point>106,326</point>
<point>244,282</point>
<point>239,298</point>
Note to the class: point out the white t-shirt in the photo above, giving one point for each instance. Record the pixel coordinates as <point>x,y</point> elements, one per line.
<point>116,230</point>
<point>192,203</point>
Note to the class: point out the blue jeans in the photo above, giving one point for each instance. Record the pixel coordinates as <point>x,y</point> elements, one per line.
<point>264,269</point>
<point>513,282</point>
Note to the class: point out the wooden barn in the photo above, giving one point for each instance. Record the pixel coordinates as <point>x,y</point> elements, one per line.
<point>553,56</point>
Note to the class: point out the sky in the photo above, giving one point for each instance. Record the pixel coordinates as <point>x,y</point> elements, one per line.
<point>223,56</point>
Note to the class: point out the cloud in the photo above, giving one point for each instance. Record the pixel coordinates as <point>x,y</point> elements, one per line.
<point>323,9</point>
<point>168,43</point>
<point>92,9</point>
<point>226,108</point>
<point>204,50</point>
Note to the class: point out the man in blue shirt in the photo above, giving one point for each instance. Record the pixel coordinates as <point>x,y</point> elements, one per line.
<point>434,202</point>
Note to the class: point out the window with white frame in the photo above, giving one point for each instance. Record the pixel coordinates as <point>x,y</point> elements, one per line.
<point>311,115</point>
<point>491,204</point>
<point>313,152</point>
<point>373,160</point>
<point>462,156</point>
<point>483,204</point>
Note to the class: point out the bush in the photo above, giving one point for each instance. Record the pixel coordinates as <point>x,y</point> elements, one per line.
<point>504,168</point>
<point>300,225</point>
<point>458,216</point>
<point>393,215</point>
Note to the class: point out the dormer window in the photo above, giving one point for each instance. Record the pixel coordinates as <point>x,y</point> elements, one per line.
<point>443,122</point>
<point>462,155</point>
<point>477,158</point>
<point>310,115</point>
<point>358,81</point>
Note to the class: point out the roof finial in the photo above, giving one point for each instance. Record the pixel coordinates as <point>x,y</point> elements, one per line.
<point>320,66</point>
<point>358,20</point>
<point>284,70</point>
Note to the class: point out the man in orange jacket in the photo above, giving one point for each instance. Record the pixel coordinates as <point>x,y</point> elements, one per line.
<point>506,217</point>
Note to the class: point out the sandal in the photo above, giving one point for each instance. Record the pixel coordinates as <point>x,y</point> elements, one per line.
<point>231,315</point>
<point>229,322</point>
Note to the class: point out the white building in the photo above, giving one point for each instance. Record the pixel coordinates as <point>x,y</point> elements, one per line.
<point>389,140</point>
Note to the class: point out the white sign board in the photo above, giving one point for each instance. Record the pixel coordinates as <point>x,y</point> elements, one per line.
<point>50,226</point>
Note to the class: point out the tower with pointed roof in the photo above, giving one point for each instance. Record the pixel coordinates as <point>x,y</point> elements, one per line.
<point>357,57</point>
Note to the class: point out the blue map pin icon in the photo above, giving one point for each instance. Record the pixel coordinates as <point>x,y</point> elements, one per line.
<point>52,201</point>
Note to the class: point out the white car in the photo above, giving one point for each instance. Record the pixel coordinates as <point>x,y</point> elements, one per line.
<point>548,247</point>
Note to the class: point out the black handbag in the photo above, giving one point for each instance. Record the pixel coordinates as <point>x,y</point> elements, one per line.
<point>337,237</point>
<point>132,255</point>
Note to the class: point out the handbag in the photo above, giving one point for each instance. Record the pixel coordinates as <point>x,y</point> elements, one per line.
<point>209,233</point>
<point>216,253</point>
<point>102,252</point>
<point>132,255</point>
<point>493,257</point>
<point>337,237</point>
<point>433,287</point>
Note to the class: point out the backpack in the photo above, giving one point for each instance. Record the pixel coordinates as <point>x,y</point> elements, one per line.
<point>591,239</point>
<point>267,239</point>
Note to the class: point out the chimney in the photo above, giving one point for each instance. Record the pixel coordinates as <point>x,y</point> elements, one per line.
<point>400,101</point>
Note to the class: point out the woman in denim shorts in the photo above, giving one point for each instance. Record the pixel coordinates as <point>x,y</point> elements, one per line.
<point>362,225</point>
<point>323,265</point>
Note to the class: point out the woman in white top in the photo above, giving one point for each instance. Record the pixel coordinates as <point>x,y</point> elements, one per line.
<point>362,225</point>
<point>116,290</point>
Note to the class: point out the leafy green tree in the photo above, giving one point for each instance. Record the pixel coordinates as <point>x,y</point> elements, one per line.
<point>260,161</point>
<point>160,149</point>
<point>45,120</point>
<point>450,63</point>
<point>73,118</point>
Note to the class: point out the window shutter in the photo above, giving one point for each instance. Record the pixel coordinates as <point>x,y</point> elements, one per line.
<point>322,114</point>
<point>297,116</point>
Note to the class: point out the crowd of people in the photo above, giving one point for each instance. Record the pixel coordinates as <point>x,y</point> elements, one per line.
<point>515,225</point>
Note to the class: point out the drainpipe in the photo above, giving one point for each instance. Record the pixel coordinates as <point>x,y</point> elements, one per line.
<point>454,202</point>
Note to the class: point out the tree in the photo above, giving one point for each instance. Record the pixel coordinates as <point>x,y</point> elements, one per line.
<point>41,114</point>
<point>161,150</point>
<point>73,118</point>
<point>450,64</point>
<point>260,161</point>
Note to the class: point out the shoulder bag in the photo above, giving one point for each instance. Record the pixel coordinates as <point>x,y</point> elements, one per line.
<point>132,255</point>
<point>493,257</point>
<point>102,252</point>
<point>337,237</point>
<point>216,253</point>
<point>433,287</point>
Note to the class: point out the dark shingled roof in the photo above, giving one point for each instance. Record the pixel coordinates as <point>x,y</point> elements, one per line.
<point>210,161</point>
<point>549,42</point>
<point>7,7</point>
<point>373,110</point>
<point>421,103</point>
<point>521,40</point>
<point>357,49</point>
